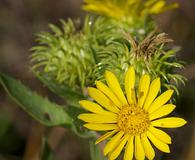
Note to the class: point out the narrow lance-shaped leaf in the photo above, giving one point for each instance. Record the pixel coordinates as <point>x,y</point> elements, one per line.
<point>47,153</point>
<point>95,151</point>
<point>39,108</point>
<point>62,90</point>
<point>77,126</point>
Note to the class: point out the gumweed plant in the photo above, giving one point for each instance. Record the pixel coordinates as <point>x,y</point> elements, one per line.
<point>116,74</point>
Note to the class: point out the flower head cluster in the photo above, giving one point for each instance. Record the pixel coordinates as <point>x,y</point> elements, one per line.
<point>127,9</point>
<point>131,119</point>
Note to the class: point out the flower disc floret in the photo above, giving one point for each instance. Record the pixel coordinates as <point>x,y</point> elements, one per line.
<point>133,120</point>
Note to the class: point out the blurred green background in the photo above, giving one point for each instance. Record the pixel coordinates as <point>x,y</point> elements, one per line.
<point>20,136</point>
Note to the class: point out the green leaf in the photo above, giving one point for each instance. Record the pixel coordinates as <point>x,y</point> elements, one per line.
<point>62,90</point>
<point>78,128</point>
<point>39,108</point>
<point>5,122</point>
<point>95,151</point>
<point>47,153</point>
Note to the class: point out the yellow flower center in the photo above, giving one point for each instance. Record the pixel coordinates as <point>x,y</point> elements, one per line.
<point>133,120</point>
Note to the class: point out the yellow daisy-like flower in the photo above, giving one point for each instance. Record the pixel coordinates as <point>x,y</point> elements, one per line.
<point>125,9</point>
<point>130,119</point>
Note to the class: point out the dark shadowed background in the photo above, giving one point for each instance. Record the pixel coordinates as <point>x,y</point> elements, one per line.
<point>20,134</point>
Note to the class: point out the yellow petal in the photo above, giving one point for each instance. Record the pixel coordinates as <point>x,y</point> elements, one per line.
<point>161,135</point>
<point>114,85</point>
<point>129,149</point>
<point>143,89</point>
<point>139,150</point>
<point>129,85</point>
<point>94,107</point>
<point>152,93</point>
<point>116,152</point>
<point>105,136</point>
<point>157,7</point>
<point>149,151</point>
<point>162,111</point>
<point>97,118</point>
<point>100,127</point>
<point>157,143</point>
<point>170,122</point>
<point>113,143</point>
<point>161,100</point>
<point>100,98</point>
<point>102,87</point>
